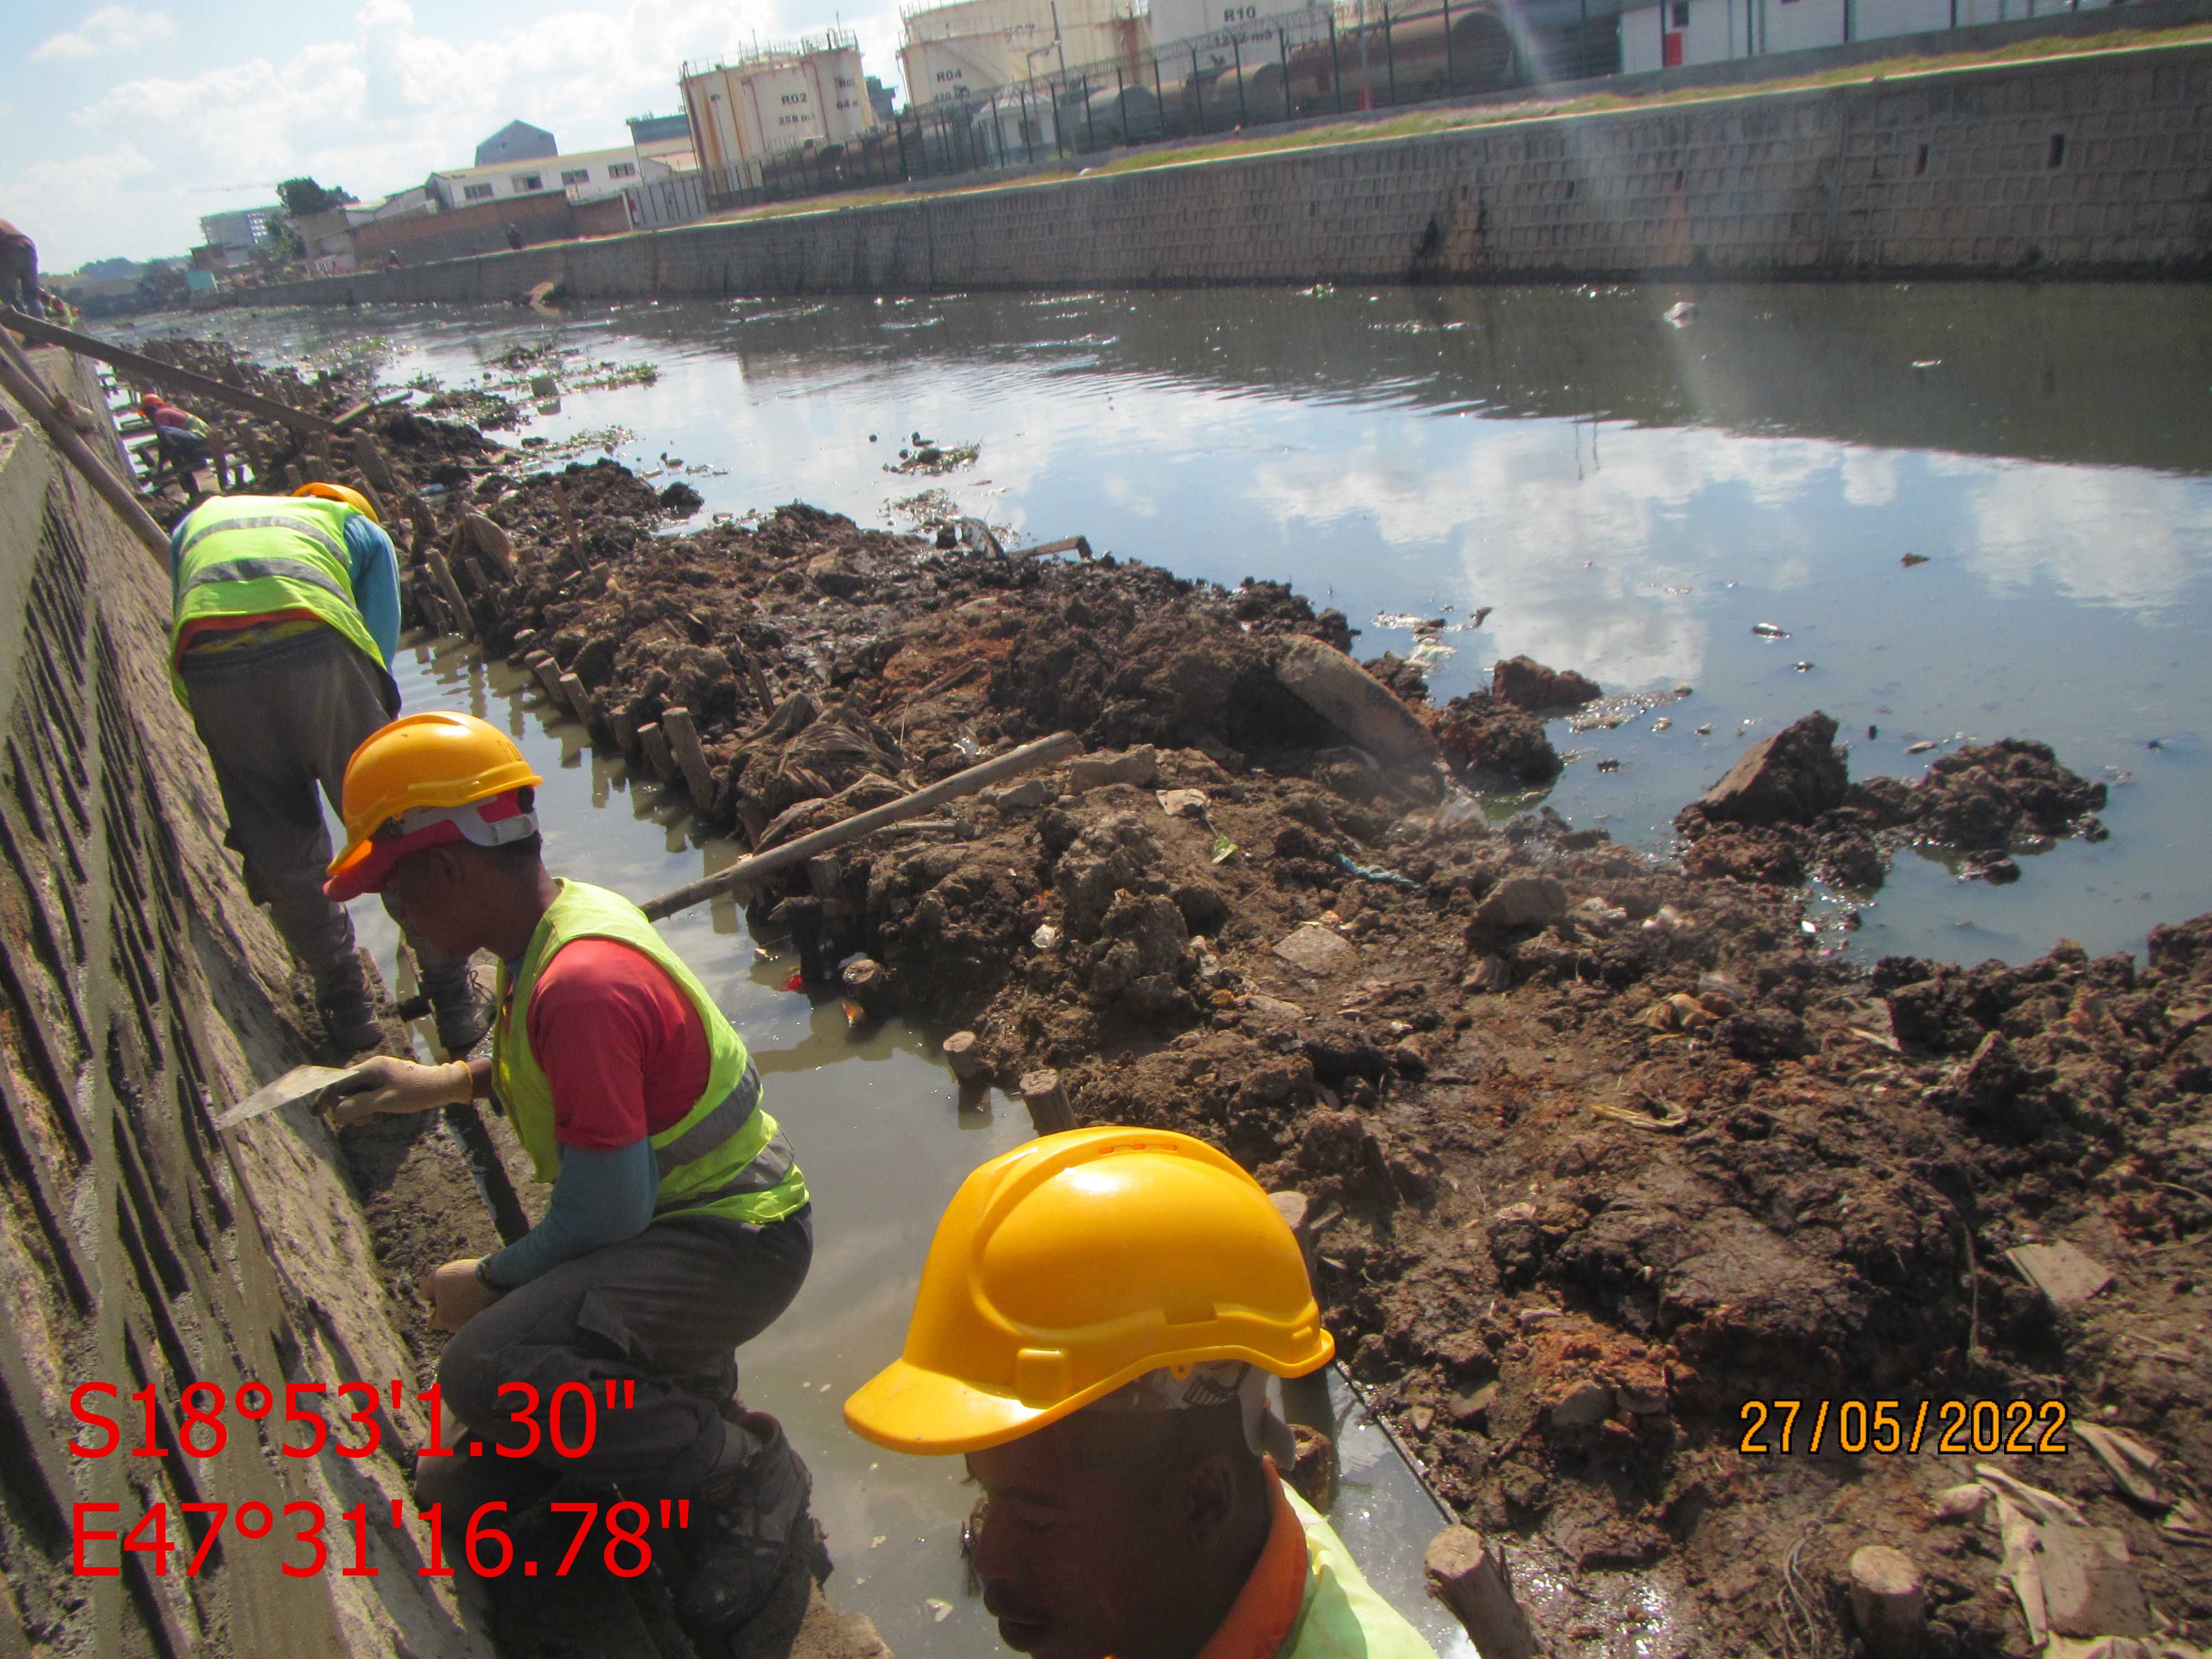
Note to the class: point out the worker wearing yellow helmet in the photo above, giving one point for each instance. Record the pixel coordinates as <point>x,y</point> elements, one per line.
<point>679,1227</point>
<point>1098,1319</point>
<point>285,616</point>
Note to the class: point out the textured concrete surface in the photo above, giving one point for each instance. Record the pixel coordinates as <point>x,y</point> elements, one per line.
<point>2094,165</point>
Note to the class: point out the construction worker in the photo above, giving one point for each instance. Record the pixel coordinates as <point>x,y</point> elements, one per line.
<point>679,1227</point>
<point>286,615</point>
<point>1098,1318</point>
<point>182,438</point>
<point>18,271</point>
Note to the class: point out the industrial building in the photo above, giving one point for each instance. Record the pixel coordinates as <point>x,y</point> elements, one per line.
<point>584,177</point>
<point>664,138</point>
<point>778,99</point>
<point>1679,32</point>
<point>517,141</point>
<point>971,47</point>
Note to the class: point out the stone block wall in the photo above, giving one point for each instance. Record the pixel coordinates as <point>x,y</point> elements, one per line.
<point>141,994</point>
<point>2095,165</point>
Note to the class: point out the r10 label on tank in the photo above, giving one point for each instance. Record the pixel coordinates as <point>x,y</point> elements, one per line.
<point>1981,1428</point>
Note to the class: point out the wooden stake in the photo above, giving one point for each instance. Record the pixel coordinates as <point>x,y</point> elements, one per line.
<point>1049,1111</point>
<point>374,467</point>
<point>145,368</point>
<point>577,698</point>
<point>624,729</point>
<point>963,1052</point>
<point>491,541</point>
<point>658,759</point>
<point>1469,1577</point>
<point>450,591</point>
<point>1889,1601</point>
<point>868,984</point>
<point>683,740</point>
<point>21,384</point>
<point>1045,751</point>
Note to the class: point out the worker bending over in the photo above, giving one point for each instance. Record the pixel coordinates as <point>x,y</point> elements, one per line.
<point>181,440</point>
<point>1098,1317</point>
<point>679,1227</point>
<point>285,618</point>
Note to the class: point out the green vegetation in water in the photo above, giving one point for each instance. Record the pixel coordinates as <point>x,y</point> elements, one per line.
<point>607,376</point>
<point>487,411</point>
<point>926,510</point>
<point>608,439</point>
<point>934,460</point>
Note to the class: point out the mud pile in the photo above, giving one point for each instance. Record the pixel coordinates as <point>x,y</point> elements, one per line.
<point>1607,1160</point>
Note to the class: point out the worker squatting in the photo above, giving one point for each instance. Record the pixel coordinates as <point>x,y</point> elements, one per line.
<point>1101,1313</point>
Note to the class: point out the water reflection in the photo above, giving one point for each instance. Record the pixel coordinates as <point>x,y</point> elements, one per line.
<point>1627,497</point>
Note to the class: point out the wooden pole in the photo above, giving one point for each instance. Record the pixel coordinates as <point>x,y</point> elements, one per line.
<point>963,1052</point>
<point>683,739</point>
<point>1047,1100</point>
<point>750,871</point>
<point>1469,1577</point>
<point>163,373</point>
<point>450,591</point>
<point>658,758</point>
<point>492,541</point>
<point>1079,545</point>
<point>374,467</point>
<point>21,384</point>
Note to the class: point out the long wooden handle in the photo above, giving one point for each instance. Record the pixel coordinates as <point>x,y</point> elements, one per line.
<point>151,368</point>
<point>21,383</point>
<point>746,871</point>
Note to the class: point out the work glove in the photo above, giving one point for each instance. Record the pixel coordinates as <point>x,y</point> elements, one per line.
<point>384,1083</point>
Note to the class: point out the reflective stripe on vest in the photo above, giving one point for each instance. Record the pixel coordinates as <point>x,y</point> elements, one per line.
<point>244,556</point>
<point>725,1156</point>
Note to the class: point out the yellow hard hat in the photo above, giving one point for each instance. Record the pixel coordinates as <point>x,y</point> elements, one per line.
<point>1077,1263</point>
<point>423,780</point>
<point>330,492</point>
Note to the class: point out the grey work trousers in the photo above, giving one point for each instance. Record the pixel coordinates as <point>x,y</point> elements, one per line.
<point>280,723</point>
<point>663,1313</point>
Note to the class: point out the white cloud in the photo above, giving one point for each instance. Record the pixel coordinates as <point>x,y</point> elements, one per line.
<point>112,28</point>
<point>2128,539</point>
<point>388,98</point>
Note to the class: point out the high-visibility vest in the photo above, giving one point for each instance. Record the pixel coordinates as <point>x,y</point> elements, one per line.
<point>725,1156</point>
<point>1342,1617</point>
<point>257,556</point>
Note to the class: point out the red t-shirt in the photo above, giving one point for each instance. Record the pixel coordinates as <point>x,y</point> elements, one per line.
<point>624,1047</point>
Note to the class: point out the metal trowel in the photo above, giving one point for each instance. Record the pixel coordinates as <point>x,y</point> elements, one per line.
<point>300,1082</point>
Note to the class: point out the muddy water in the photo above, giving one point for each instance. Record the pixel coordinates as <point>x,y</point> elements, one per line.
<point>1567,473</point>
<point>885,1141</point>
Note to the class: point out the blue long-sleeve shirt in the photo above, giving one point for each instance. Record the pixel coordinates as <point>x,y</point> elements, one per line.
<point>375,574</point>
<point>599,1198</point>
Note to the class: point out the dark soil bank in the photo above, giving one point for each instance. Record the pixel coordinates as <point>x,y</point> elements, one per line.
<point>1606,1155</point>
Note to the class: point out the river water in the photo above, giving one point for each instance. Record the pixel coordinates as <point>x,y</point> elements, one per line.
<point>1601,488</point>
<point>1563,472</point>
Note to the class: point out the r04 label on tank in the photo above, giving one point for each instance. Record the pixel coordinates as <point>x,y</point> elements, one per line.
<point>1981,1428</point>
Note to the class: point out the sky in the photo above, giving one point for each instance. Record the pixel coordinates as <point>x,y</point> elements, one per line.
<point>128,122</point>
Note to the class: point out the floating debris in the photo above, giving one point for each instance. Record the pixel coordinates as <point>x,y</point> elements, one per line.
<point>1911,559</point>
<point>1770,630</point>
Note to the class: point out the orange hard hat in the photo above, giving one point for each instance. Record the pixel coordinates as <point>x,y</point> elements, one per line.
<point>352,498</point>
<point>422,781</point>
<point>1075,1264</point>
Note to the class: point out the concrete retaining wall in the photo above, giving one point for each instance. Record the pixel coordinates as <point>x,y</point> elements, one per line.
<point>141,992</point>
<point>2097,165</point>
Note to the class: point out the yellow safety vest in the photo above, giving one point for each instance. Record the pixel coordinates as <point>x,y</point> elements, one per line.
<point>1342,1617</point>
<point>256,556</point>
<point>723,1157</point>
